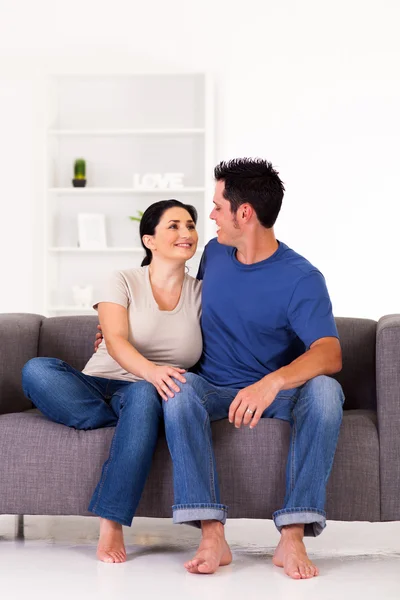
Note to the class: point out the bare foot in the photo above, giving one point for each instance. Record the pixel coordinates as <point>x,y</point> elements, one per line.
<point>292,556</point>
<point>213,551</point>
<point>111,548</point>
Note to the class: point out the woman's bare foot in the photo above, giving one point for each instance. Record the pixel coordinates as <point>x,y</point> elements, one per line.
<point>111,548</point>
<point>213,551</point>
<point>292,556</point>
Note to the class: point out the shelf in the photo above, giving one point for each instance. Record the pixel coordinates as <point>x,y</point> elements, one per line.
<point>122,191</point>
<point>71,309</point>
<point>124,132</point>
<point>73,250</point>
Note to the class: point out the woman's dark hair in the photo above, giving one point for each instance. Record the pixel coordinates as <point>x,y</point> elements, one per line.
<point>151,218</point>
<point>253,181</point>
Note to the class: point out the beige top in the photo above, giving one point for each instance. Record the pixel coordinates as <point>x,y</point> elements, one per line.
<point>164,337</point>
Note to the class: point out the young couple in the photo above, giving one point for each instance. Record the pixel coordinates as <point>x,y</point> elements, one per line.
<point>257,323</point>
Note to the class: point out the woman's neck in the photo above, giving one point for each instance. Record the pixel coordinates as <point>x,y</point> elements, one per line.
<point>166,276</point>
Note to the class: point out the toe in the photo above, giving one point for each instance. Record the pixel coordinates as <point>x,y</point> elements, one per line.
<point>303,571</point>
<point>105,557</point>
<point>193,569</point>
<point>294,575</point>
<point>205,568</point>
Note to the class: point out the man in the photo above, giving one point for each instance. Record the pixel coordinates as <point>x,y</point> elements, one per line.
<point>269,344</point>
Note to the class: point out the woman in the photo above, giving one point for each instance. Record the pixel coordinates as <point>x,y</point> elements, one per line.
<point>150,318</point>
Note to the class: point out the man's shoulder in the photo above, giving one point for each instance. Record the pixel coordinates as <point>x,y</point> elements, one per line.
<point>296,263</point>
<point>214,247</point>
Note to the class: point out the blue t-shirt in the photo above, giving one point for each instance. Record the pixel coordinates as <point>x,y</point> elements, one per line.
<point>258,318</point>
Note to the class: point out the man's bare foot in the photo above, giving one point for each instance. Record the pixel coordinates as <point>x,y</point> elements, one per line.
<point>213,551</point>
<point>291,554</point>
<point>111,548</point>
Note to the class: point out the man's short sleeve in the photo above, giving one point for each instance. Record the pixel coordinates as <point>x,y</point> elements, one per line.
<point>115,290</point>
<point>310,310</point>
<point>202,266</point>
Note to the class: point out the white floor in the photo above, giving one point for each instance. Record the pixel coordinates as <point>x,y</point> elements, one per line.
<point>358,561</point>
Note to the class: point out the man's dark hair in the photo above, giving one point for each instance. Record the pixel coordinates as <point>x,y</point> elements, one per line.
<point>253,181</point>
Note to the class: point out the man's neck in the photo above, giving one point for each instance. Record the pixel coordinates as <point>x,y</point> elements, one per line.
<point>257,247</point>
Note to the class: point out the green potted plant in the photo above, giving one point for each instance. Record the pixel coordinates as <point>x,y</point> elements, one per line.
<point>79,173</point>
<point>136,238</point>
<point>138,218</point>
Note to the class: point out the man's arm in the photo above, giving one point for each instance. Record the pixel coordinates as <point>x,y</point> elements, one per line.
<point>310,318</point>
<point>324,357</point>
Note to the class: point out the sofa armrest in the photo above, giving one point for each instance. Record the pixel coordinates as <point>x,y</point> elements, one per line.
<point>19,340</point>
<point>388,407</point>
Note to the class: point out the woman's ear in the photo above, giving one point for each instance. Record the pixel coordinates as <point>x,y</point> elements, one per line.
<point>148,241</point>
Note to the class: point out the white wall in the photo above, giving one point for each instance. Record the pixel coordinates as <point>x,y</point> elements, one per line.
<point>313,86</point>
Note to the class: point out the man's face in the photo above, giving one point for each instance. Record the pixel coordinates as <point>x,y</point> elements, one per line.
<point>228,230</point>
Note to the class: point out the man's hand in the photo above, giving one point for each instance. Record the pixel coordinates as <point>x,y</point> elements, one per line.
<point>250,402</point>
<point>99,338</point>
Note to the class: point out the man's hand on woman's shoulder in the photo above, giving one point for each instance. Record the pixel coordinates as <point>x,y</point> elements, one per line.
<point>99,338</point>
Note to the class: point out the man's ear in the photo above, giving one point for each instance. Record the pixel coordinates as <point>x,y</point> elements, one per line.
<point>246,211</point>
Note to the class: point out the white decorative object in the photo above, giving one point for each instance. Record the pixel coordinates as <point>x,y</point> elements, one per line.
<point>82,295</point>
<point>162,181</point>
<point>91,231</point>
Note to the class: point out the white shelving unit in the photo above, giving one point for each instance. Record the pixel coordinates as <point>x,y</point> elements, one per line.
<point>102,250</point>
<point>121,125</point>
<point>118,191</point>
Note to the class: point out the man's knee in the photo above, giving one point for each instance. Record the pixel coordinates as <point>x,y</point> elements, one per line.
<point>181,405</point>
<point>188,400</point>
<point>327,397</point>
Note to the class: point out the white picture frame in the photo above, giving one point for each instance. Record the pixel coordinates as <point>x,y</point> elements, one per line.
<point>91,231</point>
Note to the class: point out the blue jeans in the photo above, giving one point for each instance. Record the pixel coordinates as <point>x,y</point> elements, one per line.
<point>71,398</point>
<point>314,412</point>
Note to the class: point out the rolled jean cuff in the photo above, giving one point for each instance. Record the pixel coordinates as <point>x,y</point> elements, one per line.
<point>314,520</point>
<point>106,514</point>
<point>193,514</point>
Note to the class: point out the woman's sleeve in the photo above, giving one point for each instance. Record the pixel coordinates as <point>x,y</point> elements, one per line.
<point>115,290</point>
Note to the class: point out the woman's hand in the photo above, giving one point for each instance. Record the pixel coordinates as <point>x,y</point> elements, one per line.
<point>161,378</point>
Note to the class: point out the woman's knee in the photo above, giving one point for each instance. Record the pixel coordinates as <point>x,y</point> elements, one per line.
<point>37,370</point>
<point>141,394</point>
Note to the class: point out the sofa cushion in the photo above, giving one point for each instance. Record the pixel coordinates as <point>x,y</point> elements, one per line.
<point>47,468</point>
<point>69,338</point>
<point>19,339</point>
<point>357,378</point>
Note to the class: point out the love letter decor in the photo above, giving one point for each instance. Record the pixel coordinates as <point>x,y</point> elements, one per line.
<point>162,181</point>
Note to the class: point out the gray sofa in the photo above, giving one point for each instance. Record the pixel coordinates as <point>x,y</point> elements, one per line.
<point>50,469</point>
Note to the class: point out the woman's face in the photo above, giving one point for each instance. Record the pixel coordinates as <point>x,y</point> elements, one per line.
<point>175,235</point>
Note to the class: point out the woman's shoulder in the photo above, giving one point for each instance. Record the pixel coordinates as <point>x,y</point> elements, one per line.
<point>136,274</point>
<point>194,283</point>
<point>194,289</point>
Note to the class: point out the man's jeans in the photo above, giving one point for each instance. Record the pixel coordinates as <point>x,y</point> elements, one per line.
<point>314,411</point>
<point>67,396</point>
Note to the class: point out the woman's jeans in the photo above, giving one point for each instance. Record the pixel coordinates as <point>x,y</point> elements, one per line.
<point>314,412</point>
<point>67,396</point>
<point>71,398</point>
